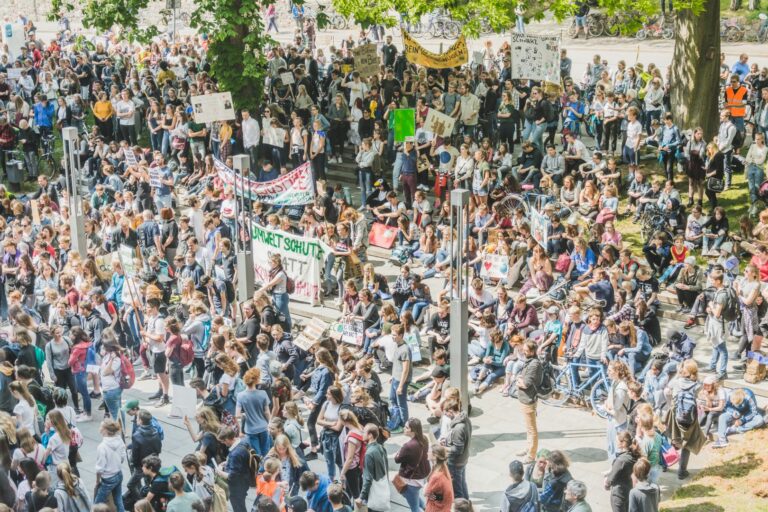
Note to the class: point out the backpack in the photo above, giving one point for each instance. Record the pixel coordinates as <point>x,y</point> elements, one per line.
<point>290,285</point>
<point>738,139</point>
<point>162,477</point>
<point>254,462</point>
<point>401,254</point>
<point>545,388</point>
<point>730,310</point>
<point>685,408</point>
<point>127,374</point>
<point>186,352</point>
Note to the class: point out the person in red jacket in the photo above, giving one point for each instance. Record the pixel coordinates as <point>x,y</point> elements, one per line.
<point>78,362</point>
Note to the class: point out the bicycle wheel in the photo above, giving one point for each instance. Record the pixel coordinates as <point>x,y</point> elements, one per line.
<point>561,389</point>
<point>452,30</point>
<point>612,27</point>
<point>338,22</point>
<point>436,29</point>
<point>573,29</point>
<point>595,27</point>
<point>598,397</point>
<point>641,34</point>
<point>667,33</point>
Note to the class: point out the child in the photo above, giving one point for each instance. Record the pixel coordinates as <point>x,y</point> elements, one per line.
<point>553,333</point>
<point>268,484</point>
<point>293,425</point>
<point>649,441</point>
<point>679,253</point>
<point>439,361</point>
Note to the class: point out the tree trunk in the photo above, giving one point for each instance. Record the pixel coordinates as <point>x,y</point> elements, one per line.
<point>695,83</point>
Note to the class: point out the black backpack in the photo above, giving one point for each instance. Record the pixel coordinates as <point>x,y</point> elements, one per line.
<point>685,408</point>
<point>547,384</point>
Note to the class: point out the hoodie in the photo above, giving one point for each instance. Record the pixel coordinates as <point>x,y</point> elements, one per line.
<point>459,435</point>
<point>195,329</point>
<point>520,494</point>
<point>681,346</point>
<point>644,497</point>
<point>110,456</point>
<point>318,499</point>
<point>144,441</point>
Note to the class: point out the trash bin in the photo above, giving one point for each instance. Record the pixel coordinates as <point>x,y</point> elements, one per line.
<point>15,175</point>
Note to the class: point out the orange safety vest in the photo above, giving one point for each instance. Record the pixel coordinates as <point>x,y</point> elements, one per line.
<point>735,101</point>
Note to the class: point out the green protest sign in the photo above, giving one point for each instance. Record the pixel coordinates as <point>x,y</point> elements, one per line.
<point>405,123</point>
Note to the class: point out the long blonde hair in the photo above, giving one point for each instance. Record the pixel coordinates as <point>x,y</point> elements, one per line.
<point>61,427</point>
<point>21,389</point>
<point>64,472</point>
<point>282,440</point>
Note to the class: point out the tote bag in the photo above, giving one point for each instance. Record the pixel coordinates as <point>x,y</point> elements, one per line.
<point>378,496</point>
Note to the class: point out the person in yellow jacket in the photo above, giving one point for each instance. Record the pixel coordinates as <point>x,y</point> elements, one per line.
<point>736,96</point>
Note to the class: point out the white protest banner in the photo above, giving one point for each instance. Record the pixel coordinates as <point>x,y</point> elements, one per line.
<point>155,177</point>
<point>366,60</point>
<point>13,74</point>
<point>535,57</point>
<point>477,58</point>
<point>127,256</point>
<point>291,189</point>
<point>540,228</point>
<point>130,158</point>
<point>184,402</point>
<point>439,123</point>
<point>287,78</point>
<point>352,332</point>
<point>302,258</point>
<point>213,107</point>
<point>495,266</point>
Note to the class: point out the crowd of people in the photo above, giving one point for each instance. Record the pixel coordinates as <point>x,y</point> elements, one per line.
<point>81,326</point>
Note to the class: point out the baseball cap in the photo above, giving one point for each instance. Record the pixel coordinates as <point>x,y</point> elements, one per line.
<point>131,404</point>
<point>690,260</point>
<point>378,183</point>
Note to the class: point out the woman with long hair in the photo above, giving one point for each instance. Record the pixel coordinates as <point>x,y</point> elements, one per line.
<point>110,373</point>
<point>695,168</point>
<point>199,476</point>
<point>617,403</point>
<point>25,409</point>
<point>207,442</point>
<point>283,451</point>
<point>28,448</point>
<point>70,493</point>
<point>59,447</point>
<point>227,381</point>
<point>638,351</point>
<point>619,480</point>
<point>332,426</point>
<point>413,458</point>
<point>323,377</point>
<point>277,286</point>
<point>438,491</point>
<point>28,471</point>
<point>352,441</point>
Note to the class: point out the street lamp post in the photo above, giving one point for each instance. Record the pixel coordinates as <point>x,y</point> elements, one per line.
<point>245,273</point>
<point>459,315</point>
<point>71,168</point>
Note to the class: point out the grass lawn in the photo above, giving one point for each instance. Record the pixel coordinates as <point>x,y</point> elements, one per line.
<point>735,201</point>
<point>735,479</point>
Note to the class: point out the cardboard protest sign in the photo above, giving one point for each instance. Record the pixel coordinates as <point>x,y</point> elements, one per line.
<point>213,107</point>
<point>366,60</point>
<point>438,123</point>
<point>540,228</point>
<point>535,57</point>
<point>494,266</point>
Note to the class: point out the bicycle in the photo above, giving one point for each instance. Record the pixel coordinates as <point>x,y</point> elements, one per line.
<point>732,31</point>
<point>594,26</point>
<point>46,156</point>
<point>598,385</point>
<point>656,28</point>
<point>444,27</point>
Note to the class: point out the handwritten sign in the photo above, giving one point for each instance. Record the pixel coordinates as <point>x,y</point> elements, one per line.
<point>366,60</point>
<point>495,266</point>
<point>439,123</point>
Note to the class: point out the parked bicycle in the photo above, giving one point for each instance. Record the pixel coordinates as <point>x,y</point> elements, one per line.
<point>732,31</point>
<point>46,158</point>
<point>655,29</point>
<point>442,26</point>
<point>594,388</point>
<point>594,26</point>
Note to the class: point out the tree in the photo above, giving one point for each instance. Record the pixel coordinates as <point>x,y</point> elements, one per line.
<point>696,68</point>
<point>236,39</point>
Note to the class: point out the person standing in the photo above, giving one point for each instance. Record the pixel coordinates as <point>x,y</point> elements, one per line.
<point>644,496</point>
<point>521,494</point>
<point>375,468</point>
<point>527,383</point>
<point>634,133</point>
<point>457,440</point>
<point>414,464</point>
<point>619,479</point>
<point>715,328</point>
<point>401,377</point>
<point>726,134</point>
<point>253,411</point>
<point>439,490</point>
<point>236,469</point>
<point>154,334</point>
<point>110,376</point>
<point>756,157</point>
<point>110,456</point>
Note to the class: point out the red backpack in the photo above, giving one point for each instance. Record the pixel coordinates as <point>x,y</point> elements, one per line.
<point>127,374</point>
<point>186,352</point>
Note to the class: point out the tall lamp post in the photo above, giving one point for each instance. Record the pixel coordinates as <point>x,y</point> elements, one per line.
<point>459,315</point>
<point>245,273</point>
<point>71,171</point>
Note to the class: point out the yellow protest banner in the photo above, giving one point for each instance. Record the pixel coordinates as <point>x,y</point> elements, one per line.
<point>456,55</point>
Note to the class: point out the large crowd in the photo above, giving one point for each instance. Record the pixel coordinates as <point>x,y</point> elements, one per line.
<point>577,301</point>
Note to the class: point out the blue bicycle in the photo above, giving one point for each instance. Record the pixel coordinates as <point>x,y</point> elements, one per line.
<point>596,386</point>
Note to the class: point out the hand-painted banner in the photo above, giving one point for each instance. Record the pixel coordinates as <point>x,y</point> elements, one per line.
<point>302,259</point>
<point>495,266</point>
<point>292,189</point>
<point>535,57</point>
<point>540,228</point>
<point>457,55</point>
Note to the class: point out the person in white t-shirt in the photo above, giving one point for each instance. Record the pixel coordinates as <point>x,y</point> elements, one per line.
<point>634,132</point>
<point>153,335</point>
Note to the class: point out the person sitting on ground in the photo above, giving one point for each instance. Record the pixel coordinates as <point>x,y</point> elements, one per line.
<point>740,415</point>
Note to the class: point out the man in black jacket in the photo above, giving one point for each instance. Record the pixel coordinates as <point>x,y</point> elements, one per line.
<point>145,441</point>
<point>458,443</point>
<point>527,393</point>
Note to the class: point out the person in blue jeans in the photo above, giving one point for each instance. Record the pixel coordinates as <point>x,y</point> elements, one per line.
<point>253,406</point>
<point>110,456</point>
<point>714,328</point>
<point>278,286</point>
<point>496,352</point>
<point>401,377</point>
<point>740,415</point>
<point>111,374</point>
